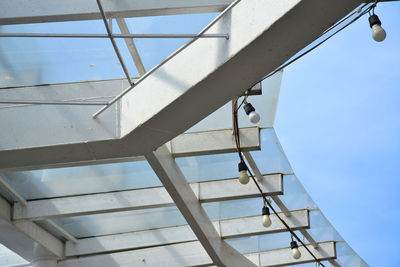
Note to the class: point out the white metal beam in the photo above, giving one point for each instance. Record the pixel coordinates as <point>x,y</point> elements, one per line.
<point>193,84</point>
<point>25,11</point>
<point>230,228</point>
<point>193,254</point>
<point>185,199</point>
<point>130,43</point>
<point>27,239</point>
<point>155,197</point>
<point>61,231</point>
<point>184,145</point>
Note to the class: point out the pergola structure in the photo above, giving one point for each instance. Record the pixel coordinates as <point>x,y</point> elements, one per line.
<point>142,171</point>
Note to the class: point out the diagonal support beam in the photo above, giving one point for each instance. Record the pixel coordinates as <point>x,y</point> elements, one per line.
<point>175,183</point>
<point>130,43</point>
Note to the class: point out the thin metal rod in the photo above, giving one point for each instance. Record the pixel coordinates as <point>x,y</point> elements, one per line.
<point>61,231</point>
<point>14,194</point>
<point>130,43</point>
<point>201,33</point>
<point>114,44</point>
<point>100,35</point>
<point>43,102</point>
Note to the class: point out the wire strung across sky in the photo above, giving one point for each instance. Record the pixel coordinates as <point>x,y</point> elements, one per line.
<point>361,13</point>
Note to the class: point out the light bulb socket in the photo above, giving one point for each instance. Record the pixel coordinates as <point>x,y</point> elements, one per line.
<point>293,245</point>
<point>248,108</point>
<point>242,166</point>
<point>265,211</point>
<point>374,20</point>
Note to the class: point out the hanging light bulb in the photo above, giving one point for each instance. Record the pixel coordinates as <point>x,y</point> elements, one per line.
<point>378,33</point>
<point>266,220</point>
<point>251,112</point>
<point>295,250</point>
<point>243,176</point>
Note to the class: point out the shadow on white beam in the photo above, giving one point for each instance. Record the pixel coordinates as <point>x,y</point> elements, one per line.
<point>230,228</point>
<point>184,145</point>
<point>193,254</point>
<point>210,191</point>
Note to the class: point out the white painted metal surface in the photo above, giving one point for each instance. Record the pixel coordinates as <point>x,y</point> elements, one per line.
<point>230,228</point>
<point>215,142</point>
<point>185,199</point>
<point>130,43</point>
<point>141,199</point>
<point>192,254</point>
<point>26,238</point>
<point>25,11</point>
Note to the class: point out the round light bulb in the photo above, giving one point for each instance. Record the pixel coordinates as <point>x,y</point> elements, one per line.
<point>378,33</point>
<point>243,177</point>
<point>254,117</point>
<point>296,253</point>
<point>266,221</point>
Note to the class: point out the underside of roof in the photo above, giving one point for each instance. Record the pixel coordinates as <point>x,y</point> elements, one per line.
<point>143,171</point>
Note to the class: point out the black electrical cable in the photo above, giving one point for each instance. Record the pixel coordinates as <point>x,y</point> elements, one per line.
<point>266,202</point>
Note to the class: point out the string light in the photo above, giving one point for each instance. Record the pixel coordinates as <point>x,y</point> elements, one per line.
<point>266,220</point>
<point>378,33</point>
<point>360,12</point>
<point>243,176</point>
<point>254,117</point>
<point>266,202</point>
<point>295,249</point>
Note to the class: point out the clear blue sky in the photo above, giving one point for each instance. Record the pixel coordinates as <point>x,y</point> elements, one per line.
<point>339,123</point>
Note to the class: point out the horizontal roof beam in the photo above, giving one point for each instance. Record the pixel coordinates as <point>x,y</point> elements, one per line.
<point>184,145</point>
<point>230,228</point>
<point>25,11</point>
<point>210,191</point>
<point>193,254</point>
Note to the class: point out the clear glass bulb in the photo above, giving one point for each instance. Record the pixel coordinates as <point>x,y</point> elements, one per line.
<point>243,177</point>
<point>266,221</point>
<point>378,33</point>
<point>296,253</point>
<point>254,117</point>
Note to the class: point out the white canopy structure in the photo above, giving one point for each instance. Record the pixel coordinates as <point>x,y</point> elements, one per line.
<point>113,170</point>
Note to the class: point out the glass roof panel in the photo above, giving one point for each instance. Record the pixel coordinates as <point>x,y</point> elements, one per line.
<point>121,222</point>
<point>50,183</point>
<point>31,61</point>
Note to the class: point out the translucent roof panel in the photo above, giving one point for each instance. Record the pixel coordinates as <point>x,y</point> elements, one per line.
<point>50,183</point>
<point>31,61</point>
<point>121,222</point>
